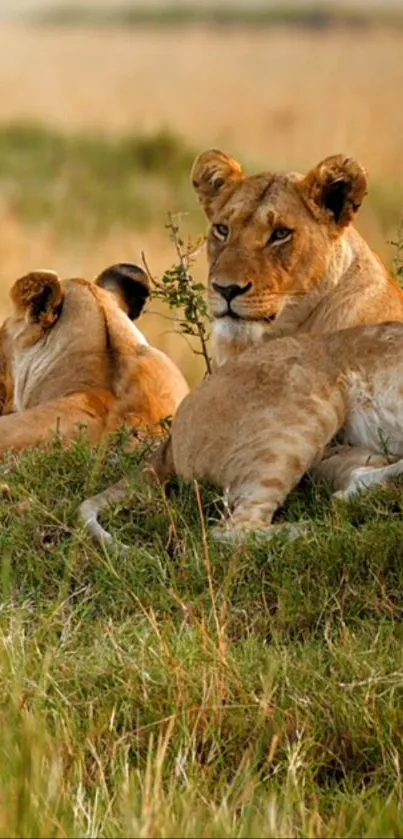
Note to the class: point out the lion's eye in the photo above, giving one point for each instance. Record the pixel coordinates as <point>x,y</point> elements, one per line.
<point>280,234</point>
<point>221,231</point>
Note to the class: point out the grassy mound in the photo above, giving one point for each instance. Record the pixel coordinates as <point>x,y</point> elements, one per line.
<point>189,689</point>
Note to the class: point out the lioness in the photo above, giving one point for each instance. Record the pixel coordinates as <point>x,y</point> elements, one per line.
<point>284,259</point>
<point>275,407</point>
<point>71,356</point>
<point>283,255</point>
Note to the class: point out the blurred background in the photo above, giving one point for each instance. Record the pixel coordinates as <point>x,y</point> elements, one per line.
<point>103,106</point>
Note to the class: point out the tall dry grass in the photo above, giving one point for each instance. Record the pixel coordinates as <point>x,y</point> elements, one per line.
<point>278,99</point>
<point>286,97</point>
<point>193,690</point>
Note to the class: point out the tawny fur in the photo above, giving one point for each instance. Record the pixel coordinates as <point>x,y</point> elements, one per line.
<point>320,278</point>
<point>71,360</point>
<point>324,277</point>
<point>264,419</point>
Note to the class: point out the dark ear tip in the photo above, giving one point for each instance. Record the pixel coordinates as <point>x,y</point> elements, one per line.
<point>32,285</point>
<point>124,272</point>
<point>130,283</point>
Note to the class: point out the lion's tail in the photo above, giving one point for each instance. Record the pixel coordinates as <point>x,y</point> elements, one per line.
<point>90,509</point>
<point>159,469</point>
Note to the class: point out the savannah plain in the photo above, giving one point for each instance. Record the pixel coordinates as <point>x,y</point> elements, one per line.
<point>278,97</point>
<point>189,689</point>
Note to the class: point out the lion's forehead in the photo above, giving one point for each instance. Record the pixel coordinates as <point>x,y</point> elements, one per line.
<point>264,199</point>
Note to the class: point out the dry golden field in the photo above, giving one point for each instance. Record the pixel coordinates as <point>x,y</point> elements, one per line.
<point>284,97</point>
<point>187,688</point>
<point>279,98</point>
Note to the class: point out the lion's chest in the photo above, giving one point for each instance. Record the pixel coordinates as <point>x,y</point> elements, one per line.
<point>232,337</point>
<point>375,414</point>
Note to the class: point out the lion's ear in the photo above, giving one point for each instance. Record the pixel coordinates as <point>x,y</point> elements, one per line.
<point>213,175</point>
<point>39,295</point>
<point>337,187</point>
<point>130,285</point>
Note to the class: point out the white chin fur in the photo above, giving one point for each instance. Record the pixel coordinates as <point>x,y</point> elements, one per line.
<point>238,330</point>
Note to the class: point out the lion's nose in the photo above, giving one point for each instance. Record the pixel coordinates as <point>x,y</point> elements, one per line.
<point>228,292</point>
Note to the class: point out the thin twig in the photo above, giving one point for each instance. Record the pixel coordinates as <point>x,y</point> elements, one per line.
<point>178,289</point>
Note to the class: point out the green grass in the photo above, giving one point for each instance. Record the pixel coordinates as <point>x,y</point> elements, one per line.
<point>86,185</point>
<point>187,692</point>
<point>311,15</point>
